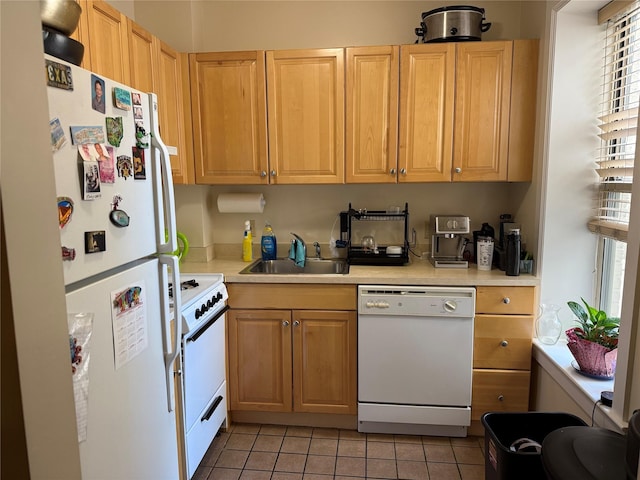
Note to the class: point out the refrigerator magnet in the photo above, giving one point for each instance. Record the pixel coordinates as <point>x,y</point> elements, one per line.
<point>139,168</point>
<point>58,75</point>
<point>121,98</point>
<point>118,217</point>
<point>97,94</point>
<point>141,134</point>
<point>94,242</point>
<point>91,181</point>
<point>65,210</point>
<point>68,254</point>
<point>114,130</point>
<point>125,166</point>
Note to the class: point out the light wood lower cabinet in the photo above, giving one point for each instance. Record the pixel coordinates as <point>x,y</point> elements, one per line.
<point>502,350</point>
<point>292,359</point>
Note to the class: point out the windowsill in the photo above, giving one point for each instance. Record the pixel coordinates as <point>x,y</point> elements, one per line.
<point>556,361</point>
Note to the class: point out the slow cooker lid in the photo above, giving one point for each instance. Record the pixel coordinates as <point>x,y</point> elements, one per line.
<point>453,9</point>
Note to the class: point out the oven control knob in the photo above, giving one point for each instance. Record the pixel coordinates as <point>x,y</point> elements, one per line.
<point>450,306</point>
<point>210,303</point>
<point>198,313</point>
<point>219,296</point>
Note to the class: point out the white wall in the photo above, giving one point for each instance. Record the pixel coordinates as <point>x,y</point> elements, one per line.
<point>33,261</point>
<point>568,259</point>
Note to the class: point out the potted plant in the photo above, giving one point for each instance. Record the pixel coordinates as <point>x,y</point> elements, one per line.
<point>594,343</point>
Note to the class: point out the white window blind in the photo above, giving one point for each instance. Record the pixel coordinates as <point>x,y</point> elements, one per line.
<point>618,125</point>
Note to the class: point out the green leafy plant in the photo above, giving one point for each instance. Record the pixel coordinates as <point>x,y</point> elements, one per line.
<point>595,325</point>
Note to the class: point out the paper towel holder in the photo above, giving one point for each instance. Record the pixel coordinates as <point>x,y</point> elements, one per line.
<point>241,202</point>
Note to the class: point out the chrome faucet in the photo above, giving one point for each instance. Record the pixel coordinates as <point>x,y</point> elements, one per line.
<point>317,245</point>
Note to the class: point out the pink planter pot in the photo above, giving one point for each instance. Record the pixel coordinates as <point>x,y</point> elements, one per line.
<point>592,358</point>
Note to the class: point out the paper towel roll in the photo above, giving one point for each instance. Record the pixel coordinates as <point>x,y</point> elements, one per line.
<point>241,203</point>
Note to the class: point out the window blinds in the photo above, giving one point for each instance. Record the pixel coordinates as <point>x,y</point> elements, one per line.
<point>618,125</point>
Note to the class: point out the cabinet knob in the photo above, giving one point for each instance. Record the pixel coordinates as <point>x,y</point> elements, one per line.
<point>504,343</point>
<point>458,170</point>
<point>506,300</point>
<point>263,174</point>
<point>500,398</point>
<point>273,173</point>
<point>285,323</point>
<point>403,171</point>
<point>296,323</point>
<point>392,171</point>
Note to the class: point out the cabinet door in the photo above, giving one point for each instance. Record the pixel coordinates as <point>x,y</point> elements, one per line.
<point>426,112</point>
<point>108,41</point>
<point>306,116</point>
<point>372,114</point>
<point>259,356</point>
<point>483,90</point>
<point>169,88</point>
<point>142,58</point>
<point>81,34</point>
<point>324,361</point>
<point>522,118</point>
<point>229,113</point>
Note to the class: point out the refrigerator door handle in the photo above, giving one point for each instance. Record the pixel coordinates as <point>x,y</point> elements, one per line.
<point>167,240</point>
<point>172,341</point>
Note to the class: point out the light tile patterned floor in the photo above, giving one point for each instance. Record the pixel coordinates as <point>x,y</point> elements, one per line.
<point>275,452</point>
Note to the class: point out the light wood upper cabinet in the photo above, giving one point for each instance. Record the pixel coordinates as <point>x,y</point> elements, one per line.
<point>483,96</point>
<point>427,77</point>
<point>174,119</point>
<point>306,116</point>
<point>143,62</point>
<point>156,67</point>
<point>107,39</point>
<point>372,114</point>
<point>228,101</point>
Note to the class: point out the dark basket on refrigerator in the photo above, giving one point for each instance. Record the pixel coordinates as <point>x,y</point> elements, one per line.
<point>501,429</point>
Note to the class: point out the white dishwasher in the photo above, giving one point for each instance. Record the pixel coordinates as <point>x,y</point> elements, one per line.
<point>415,359</point>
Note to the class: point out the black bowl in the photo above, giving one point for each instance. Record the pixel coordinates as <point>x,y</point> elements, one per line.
<point>59,45</point>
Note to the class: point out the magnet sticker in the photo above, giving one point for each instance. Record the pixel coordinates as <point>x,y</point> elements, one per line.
<point>87,134</point>
<point>91,180</point>
<point>97,93</point>
<point>125,166</point>
<point>141,136</point>
<point>137,113</point>
<point>57,135</point>
<point>68,254</point>
<point>58,75</point>
<point>65,210</point>
<point>94,241</point>
<point>114,130</point>
<point>121,98</point>
<point>139,167</point>
<point>106,163</point>
<point>136,98</point>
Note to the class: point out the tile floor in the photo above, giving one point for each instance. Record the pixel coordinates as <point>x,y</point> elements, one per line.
<point>275,452</point>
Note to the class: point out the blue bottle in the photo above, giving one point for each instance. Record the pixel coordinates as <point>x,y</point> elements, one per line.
<point>268,244</point>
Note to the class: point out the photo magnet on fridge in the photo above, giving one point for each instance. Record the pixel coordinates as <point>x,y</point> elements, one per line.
<point>139,168</point>
<point>58,140</point>
<point>94,241</point>
<point>97,94</point>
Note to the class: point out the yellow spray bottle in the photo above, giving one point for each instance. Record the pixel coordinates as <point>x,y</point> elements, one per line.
<point>247,244</point>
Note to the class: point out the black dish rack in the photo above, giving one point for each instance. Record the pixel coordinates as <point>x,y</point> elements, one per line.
<point>358,255</point>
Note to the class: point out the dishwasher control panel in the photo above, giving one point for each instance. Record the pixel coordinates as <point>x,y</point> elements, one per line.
<point>416,300</point>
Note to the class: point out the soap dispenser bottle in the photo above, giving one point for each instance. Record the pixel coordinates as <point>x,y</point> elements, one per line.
<point>268,244</point>
<point>247,244</point>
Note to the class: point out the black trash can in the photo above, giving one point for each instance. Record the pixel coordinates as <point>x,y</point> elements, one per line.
<point>525,431</point>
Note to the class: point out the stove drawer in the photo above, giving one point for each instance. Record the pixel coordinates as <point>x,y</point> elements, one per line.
<point>204,430</point>
<point>203,368</point>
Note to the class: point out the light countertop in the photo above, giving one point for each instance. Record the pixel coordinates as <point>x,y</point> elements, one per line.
<point>418,272</point>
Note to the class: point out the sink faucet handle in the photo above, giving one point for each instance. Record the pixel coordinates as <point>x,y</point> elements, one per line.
<point>317,245</point>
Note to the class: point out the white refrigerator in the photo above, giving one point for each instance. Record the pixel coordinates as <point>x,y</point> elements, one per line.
<point>117,232</point>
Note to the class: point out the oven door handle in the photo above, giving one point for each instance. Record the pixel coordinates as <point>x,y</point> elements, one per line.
<point>206,326</point>
<point>212,409</point>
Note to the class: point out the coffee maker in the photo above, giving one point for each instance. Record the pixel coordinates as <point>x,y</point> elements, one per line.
<point>448,241</point>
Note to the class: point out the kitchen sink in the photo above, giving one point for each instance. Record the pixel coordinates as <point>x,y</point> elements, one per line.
<point>286,266</point>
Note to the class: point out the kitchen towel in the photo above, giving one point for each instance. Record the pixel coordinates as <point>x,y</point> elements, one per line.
<point>297,253</point>
<point>241,203</point>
